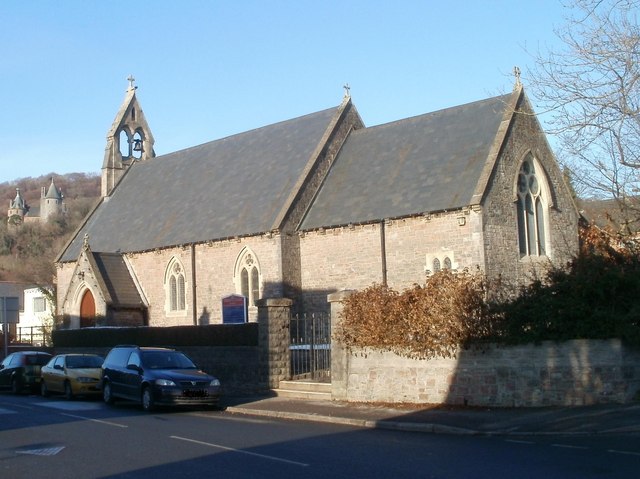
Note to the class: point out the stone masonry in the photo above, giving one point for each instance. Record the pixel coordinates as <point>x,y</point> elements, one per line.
<point>571,373</point>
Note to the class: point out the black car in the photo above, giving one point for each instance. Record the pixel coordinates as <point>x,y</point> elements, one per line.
<point>156,376</point>
<point>21,371</point>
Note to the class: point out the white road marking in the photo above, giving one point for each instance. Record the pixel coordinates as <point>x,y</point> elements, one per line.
<point>108,423</point>
<point>519,442</point>
<point>629,453</point>
<point>7,411</point>
<point>46,451</point>
<point>569,446</point>
<point>72,405</point>
<point>229,418</point>
<point>272,458</point>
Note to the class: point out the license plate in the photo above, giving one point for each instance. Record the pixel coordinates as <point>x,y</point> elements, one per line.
<point>198,393</point>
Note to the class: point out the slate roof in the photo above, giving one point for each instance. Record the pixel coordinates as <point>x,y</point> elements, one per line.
<point>427,163</point>
<point>53,192</point>
<point>230,187</point>
<point>117,284</point>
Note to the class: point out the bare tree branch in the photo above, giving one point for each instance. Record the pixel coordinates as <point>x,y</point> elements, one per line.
<point>590,88</point>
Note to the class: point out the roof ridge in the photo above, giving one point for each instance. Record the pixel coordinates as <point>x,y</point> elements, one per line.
<point>442,110</point>
<point>253,130</point>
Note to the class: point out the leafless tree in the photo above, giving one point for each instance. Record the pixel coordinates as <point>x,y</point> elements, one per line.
<point>589,93</point>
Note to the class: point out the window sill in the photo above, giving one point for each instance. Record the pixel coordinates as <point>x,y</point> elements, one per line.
<point>535,259</point>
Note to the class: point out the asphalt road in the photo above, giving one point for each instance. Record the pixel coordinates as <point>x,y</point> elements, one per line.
<point>53,438</point>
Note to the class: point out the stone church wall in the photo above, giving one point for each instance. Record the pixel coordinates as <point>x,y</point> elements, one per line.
<point>64,274</point>
<point>500,216</point>
<point>350,257</point>
<point>215,267</point>
<point>150,268</point>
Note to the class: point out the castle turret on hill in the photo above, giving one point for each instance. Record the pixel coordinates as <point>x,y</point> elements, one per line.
<point>51,204</point>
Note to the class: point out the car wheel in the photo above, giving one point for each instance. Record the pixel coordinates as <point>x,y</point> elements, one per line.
<point>147,399</point>
<point>106,393</point>
<point>43,389</point>
<point>68,392</point>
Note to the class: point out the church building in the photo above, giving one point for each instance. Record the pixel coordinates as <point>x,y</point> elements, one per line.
<point>312,205</point>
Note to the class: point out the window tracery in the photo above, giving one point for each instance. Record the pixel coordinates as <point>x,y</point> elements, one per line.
<point>531,207</point>
<point>176,287</point>
<point>248,276</point>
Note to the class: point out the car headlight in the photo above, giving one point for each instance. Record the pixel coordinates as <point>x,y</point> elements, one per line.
<point>86,380</point>
<point>214,382</point>
<point>165,382</point>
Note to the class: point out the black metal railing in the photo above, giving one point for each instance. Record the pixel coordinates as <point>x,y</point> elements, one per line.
<point>310,346</point>
<point>35,335</point>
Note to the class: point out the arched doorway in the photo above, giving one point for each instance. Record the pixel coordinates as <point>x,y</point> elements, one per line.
<point>87,310</point>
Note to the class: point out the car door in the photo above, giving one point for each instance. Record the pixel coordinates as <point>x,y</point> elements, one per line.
<point>5,371</point>
<point>133,376</point>
<point>57,375</point>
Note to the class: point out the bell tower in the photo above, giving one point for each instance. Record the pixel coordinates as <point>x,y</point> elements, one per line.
<point>129,140</point>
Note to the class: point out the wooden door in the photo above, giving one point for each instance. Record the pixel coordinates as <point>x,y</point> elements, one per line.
<point>87,310</point>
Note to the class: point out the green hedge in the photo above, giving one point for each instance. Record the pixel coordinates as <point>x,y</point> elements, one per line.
<point>174,336</point>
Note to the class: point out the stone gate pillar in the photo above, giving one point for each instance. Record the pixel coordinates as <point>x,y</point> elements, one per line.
<point>274,316</point>
<point>339,354</point>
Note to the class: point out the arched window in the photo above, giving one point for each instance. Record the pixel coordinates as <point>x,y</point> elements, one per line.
<point>124,144</point>
<point>532,206</point>
<point>443,259</point>
<point>436,265</point>
<point>175,284</point>
<point>447,263</point>
<point>248,276</point>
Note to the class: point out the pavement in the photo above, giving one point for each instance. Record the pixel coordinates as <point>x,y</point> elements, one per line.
<point>575,420</point>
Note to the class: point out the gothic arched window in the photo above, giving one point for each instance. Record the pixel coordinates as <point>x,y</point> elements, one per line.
<point>447,263</point>
<point>175,283</point>
<point>248,276</point>
<point>124,144</point>
<point>436,265</point>
<point>532,206</point>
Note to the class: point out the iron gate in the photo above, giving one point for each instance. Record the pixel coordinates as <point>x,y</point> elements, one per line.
<point>310,346</point>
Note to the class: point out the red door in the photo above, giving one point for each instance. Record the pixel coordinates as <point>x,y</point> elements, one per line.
<point>87,310</point>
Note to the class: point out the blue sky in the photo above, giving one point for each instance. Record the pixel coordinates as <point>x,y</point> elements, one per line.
<point>209,69</point>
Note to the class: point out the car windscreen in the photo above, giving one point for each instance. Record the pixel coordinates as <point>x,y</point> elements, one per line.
<point>166,360</point>
<point>77,362</point>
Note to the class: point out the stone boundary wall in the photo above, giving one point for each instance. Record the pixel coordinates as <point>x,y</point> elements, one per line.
<point>571,373</point>
<point>242,370</point>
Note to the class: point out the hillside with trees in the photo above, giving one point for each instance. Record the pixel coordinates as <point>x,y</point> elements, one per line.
<point>27,252</point>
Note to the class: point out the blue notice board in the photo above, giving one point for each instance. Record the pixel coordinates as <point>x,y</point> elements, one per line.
<point>234,309</point>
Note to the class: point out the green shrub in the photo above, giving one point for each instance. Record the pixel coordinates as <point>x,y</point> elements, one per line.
<point>596,297</point>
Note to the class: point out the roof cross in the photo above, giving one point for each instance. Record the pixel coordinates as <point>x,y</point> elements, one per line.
<point>347,91</point>
<point>130,79</point>
<point>516,73</point>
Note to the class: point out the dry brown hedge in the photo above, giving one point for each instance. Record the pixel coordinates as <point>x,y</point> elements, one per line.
<point>450,311</point>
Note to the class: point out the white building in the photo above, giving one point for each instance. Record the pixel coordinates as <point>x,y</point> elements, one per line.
<point>36,315</point>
